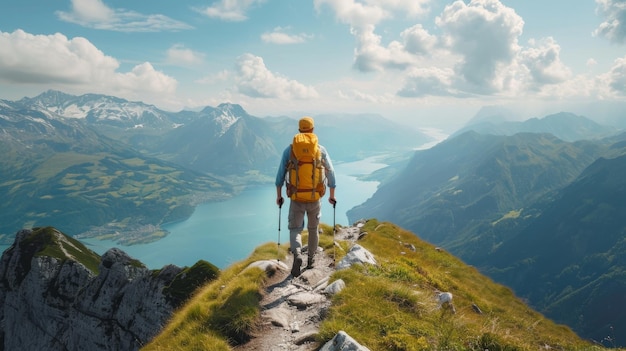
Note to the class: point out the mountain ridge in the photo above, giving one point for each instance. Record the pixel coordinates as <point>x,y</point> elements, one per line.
<point>474,173</point>
<point>564,125</point>
<point>516,207</point>
<point>122,305</point>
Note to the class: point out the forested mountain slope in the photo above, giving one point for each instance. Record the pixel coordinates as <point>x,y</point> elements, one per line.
<point>539,214</point>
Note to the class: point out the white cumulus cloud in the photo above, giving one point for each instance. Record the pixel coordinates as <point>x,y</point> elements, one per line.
<point>617,77</point>
<point>255,80</point>
<point>55,60</point>
<point>485,33</point>
<point>370,55</point>
<point>543,61</point>
<point>353,12</point>
<point>418,41</point>
<point>363,16</point>
<point>181,56</point>
<point>28,58</point>
<point>614,25</point>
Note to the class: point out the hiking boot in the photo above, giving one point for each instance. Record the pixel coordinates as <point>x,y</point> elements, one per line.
<point>297,263</point>
<point>310,262</point>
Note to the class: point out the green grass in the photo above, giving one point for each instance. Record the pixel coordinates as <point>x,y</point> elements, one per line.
<point>50,242</point>
<point>390,306</point>
<point>189,280</point>
<point>225,309</point>
<point>98,189</point>
<point>57,163</point>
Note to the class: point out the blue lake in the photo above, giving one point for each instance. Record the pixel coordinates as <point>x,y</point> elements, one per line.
<point>226,232</point>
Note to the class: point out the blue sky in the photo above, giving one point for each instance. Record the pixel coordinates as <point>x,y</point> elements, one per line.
<point>422,62</point>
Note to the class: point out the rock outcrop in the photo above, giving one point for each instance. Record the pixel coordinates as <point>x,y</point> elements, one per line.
<point>55,294</point>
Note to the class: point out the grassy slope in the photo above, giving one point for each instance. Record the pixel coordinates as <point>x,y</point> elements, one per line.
<point>99,189</point>
<point>385,307</point>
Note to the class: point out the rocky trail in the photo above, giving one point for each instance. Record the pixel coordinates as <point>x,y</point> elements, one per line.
<point>294,307</point>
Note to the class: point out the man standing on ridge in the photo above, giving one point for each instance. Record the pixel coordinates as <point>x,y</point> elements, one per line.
<point>307,167</point>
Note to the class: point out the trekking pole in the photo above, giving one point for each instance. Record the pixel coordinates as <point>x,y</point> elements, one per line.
<point>280,206</point>
<point>334,230</point>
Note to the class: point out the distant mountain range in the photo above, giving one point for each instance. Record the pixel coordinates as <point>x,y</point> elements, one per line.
<point>538,213</point>
<point>537,205</point>
<point>564,125</point>
<point>102,166</point>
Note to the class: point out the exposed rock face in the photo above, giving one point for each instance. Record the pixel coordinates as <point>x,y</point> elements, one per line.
<point>54,295</point>
<point>343,342</point>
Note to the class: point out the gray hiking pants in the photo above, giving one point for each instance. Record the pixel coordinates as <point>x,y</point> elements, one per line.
<point>313,212</point>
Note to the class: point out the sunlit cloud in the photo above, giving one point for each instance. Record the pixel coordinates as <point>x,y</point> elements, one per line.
<point>370,55</point>
<point>255,80</point>
<point>543,61</point>
<point>485,34</point>
<point>91,11</point>
<point>475,53</point>
<point>362,17</point>
<point>418,41</point>
<point>146,78</point>
<point>180,56</point>
<point>617,77</point>
<point>96,14</point>
<point>614,25</point>
<point>353,12</point>
<point>422,82</point>
<point>230,10</point>
<point>280,36</point>
<point>55,60</point>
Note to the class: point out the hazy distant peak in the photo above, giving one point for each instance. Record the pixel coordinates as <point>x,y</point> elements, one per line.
<point>50,97</point>
<point>493,114</point>
<point>235,109</point>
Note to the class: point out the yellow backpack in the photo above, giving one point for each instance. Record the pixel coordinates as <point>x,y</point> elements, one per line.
<point>306,173</point>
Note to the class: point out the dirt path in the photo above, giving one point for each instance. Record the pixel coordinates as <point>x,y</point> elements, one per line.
<point>293,308</point>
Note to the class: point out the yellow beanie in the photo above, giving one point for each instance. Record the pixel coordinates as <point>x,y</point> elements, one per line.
<point>306,123</point>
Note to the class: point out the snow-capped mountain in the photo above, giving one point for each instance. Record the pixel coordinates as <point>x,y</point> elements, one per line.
<point>214,140</point>
<point>100,109</point>
<point>223,140</point>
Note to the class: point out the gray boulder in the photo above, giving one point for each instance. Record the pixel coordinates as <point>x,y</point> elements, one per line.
<point>343,342</point>
<point>357,255</point>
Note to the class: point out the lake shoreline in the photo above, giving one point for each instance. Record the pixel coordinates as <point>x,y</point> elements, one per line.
<point>228,231</point>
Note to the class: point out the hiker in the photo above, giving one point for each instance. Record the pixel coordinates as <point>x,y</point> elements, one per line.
<point>304,168</point>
